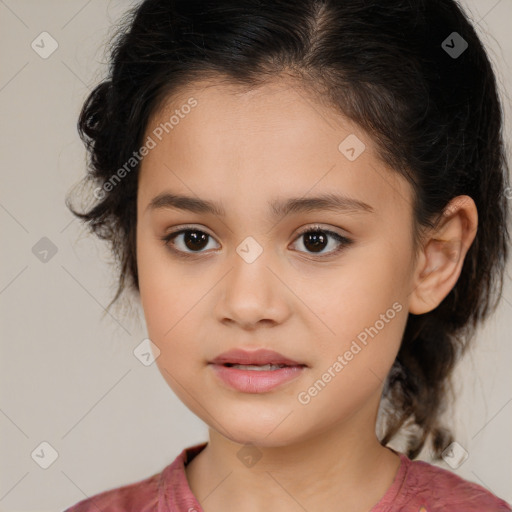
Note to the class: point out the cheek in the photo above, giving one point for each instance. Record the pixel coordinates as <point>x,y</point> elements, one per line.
<point>364,300</point>
<point>164,293</point>
<point>168,310</point>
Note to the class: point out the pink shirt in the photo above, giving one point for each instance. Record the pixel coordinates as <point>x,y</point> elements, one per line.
<point>417,487</point>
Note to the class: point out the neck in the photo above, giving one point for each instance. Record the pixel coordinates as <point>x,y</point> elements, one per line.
<point>342,464</point>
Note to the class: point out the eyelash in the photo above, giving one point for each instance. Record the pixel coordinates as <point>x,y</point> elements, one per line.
<point>342,240</point>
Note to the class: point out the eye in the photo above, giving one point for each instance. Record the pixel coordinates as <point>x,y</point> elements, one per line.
<point>193,241</point>
<point>316,238</point>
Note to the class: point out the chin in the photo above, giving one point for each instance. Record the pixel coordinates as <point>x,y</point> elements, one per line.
<point>268,434</point>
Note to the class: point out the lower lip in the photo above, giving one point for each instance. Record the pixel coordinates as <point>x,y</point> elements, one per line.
<point>256,381</point>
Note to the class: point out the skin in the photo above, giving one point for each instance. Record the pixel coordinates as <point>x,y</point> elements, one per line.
<point>244,149</point>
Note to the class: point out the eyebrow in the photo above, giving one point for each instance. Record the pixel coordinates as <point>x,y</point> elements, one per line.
<point>279,207</point>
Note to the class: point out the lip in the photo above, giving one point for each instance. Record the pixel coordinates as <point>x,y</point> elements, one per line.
<point>255,381</point>
<point>256,357</point>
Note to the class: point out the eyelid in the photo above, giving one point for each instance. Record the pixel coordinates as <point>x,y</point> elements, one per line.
<point>319,227</point>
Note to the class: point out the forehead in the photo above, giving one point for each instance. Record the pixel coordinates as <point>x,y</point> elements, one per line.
<point>268,140</point>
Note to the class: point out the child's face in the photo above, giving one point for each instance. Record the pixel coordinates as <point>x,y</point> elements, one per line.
<point>342,315</point>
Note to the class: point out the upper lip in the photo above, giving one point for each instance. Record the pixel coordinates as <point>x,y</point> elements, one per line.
<point>256,357</point>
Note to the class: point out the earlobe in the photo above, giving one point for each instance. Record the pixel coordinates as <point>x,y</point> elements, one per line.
<point>440,264</point>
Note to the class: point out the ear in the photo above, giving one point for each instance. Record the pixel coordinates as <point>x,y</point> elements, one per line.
<point>444,248</point>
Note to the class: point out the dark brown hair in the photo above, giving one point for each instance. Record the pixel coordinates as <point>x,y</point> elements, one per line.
<point>392,67</point>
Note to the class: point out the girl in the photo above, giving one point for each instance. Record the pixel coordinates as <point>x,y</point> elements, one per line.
<point>309,198</point>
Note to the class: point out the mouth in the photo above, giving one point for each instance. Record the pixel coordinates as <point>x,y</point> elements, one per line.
<point>259,371</point>
<point>260,367</point>
<point>257,360</point>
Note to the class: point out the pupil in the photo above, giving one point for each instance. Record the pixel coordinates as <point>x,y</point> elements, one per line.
<point>197,239</point>
<point>318,240</point>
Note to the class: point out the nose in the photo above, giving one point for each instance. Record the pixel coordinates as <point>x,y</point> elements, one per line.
<point>252,294</point>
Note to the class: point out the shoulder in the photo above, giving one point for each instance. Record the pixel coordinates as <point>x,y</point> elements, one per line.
<point>141,496</point>
<point>167,488</point>
<point>439,490</point>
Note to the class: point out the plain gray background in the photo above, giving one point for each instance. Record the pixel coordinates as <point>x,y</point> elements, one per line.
<point>68,377</point>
